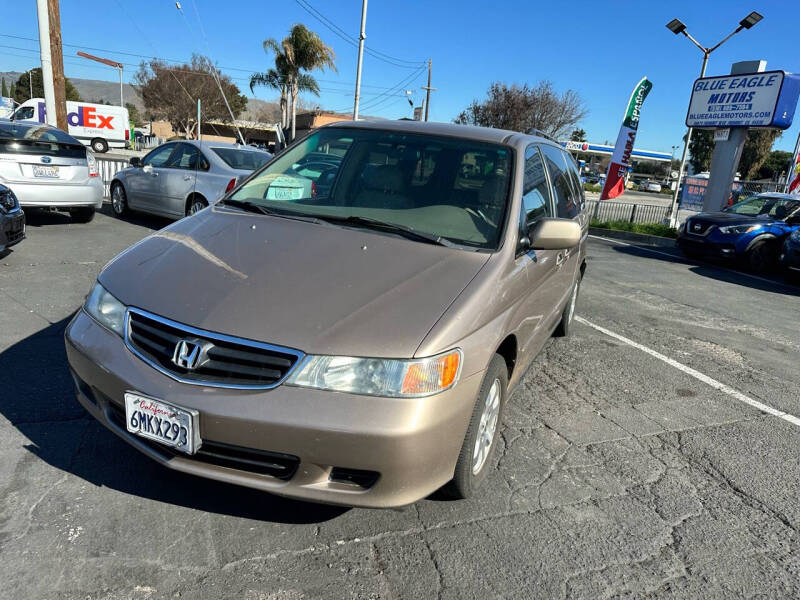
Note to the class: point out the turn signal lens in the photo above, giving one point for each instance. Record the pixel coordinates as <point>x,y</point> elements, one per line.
<point>92,162</point>
<point>431,375</point>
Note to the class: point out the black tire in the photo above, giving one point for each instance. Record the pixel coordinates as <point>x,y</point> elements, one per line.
<point>82,215</point>
<point>119,200</point>
<point>99,145</point>
<point>762,257</point>
<point>195,204</point>
<point>465,481</point>
<point>563,327</point>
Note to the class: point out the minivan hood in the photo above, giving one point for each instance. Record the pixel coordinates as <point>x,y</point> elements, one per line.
<point>321,289</point>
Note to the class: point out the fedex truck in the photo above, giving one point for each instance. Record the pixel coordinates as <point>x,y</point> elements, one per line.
<point>99,126</point>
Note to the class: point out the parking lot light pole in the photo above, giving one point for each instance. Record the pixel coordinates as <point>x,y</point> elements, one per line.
<point>677,27</point>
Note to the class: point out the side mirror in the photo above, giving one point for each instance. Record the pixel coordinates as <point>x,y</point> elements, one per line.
<point>555,234</point>
<point>135,162</point>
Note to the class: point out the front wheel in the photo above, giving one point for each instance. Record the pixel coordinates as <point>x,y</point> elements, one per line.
<point>477,450</point>
<point>82,215</point>
<point>119,200</point>
<point>763,257</point>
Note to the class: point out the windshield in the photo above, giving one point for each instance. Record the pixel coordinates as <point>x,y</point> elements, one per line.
<point>778,208</point>
<point>244,160</point>
<point>450,188</point>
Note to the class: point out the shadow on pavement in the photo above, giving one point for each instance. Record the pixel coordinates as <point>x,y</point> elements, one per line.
<point>136,218</point>
<point>766,283</point>
<point>42,406</point>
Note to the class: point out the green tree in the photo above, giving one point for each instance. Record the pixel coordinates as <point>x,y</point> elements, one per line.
<point>22,89</point>
<point>133,114</point>
<point>756,150</point>
<point>522,108</point>
<point>578,135</point>
<point>11,90</point>
<point>277,79</point>
<point>777,164</point>
<point>4,89</point>
<point>301,51</point>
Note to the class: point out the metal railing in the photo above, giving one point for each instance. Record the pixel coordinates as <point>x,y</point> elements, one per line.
<point>626,211</point>
<point>109,167</point>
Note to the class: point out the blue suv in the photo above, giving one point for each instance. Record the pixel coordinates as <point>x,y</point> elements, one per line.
<point>751,231</point>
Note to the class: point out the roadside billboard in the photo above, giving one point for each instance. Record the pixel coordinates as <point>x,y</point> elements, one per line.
<point>693,193</point>
<point>766,99</point>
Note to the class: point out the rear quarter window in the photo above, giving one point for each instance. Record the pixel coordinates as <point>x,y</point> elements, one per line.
<point>244,160</point>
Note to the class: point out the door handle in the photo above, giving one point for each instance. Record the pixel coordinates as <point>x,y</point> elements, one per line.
<point>187,177</point>
<point>154,174</point>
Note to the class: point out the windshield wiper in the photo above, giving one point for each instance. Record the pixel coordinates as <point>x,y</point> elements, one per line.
<point>378,225</point>
<point>258,208</point>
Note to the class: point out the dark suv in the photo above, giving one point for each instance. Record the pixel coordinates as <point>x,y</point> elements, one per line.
<point>752,230</point>
<point>12,219</point>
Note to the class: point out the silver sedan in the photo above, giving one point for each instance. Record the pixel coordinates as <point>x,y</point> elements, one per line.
<point>182,177</point>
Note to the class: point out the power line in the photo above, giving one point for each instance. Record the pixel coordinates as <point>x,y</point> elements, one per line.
<point>394,61</point>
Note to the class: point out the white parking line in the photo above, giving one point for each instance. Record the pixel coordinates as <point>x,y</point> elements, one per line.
<point>696,374</point>
<point>646,249</point>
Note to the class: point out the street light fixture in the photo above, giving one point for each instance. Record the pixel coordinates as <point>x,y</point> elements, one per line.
<point>676,26</point>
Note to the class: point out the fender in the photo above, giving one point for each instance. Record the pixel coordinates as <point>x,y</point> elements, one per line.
<point>761,237</point>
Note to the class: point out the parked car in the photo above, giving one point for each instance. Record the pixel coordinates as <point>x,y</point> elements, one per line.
<point>47,168</point>
<point>357,348</point>
<point>12,219</point>
<point>752,230</point>
<point>179,178</point>
<point>790,256</point>
<point>650,186</point>
<point>99,126</point>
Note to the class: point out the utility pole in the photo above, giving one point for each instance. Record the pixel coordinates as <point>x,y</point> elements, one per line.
<point>57,57</point>
<point>47,65</point>
<point>361,37</point>
<point>428,89</point>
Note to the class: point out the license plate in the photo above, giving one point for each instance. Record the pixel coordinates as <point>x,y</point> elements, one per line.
<point>287,193</point>
<point>165,423</point>
<point>47,172</point>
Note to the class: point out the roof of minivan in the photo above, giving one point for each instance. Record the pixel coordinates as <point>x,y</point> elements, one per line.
<point>483,134</point>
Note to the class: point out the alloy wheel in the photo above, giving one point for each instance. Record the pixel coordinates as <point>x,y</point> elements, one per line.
<point>487,428</point>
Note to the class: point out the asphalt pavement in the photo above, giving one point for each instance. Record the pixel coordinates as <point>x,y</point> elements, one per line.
<point>651,453</point>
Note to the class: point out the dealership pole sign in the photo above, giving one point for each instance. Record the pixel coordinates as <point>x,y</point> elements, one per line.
<point>621,158</point>
<point>765,99</point>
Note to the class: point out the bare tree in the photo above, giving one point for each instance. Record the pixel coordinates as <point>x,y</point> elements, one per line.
<point>522,108</point>
<point>170,92</point>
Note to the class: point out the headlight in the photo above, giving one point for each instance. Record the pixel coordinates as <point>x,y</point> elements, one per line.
<point>739,228</point>
<point>8,201</point>
<point>795,236</point>
<point>379,376</point>
<point>105,309</point>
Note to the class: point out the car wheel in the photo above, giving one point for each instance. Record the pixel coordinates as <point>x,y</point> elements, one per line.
<point>99,145</point>
<point>763,257</point>
<point>477,451</point>
<point>119,200</point>
<point>194,205</point>
<point>82,215</point>
<point>562,330</point>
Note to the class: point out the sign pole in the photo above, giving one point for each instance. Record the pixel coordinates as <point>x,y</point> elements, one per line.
<point>673,209</point>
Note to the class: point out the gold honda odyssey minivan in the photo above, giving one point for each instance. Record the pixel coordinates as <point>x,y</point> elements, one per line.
<point>347,324</point>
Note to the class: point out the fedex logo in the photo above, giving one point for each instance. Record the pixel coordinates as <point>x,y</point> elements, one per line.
<point>85,116</point>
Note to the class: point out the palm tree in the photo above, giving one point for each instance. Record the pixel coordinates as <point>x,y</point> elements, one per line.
<point>302,50</point>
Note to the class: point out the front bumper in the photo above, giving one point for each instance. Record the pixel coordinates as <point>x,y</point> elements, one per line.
<point>706,246</point>
<point>12,228</point>
<point>55,195</point>
<point>412,444</point>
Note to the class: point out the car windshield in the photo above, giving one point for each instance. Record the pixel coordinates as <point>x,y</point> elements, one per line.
<point>767,206</point>
<point>449,188</point>
<point>27,138</point>
<point>244,160</point>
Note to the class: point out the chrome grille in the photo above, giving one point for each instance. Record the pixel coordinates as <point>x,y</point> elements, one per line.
<point>220,360</point>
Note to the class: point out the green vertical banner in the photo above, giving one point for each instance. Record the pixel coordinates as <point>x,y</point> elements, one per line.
<point>621,158</point>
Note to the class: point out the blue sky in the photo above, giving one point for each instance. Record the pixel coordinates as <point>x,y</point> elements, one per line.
<point>600,49</point>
